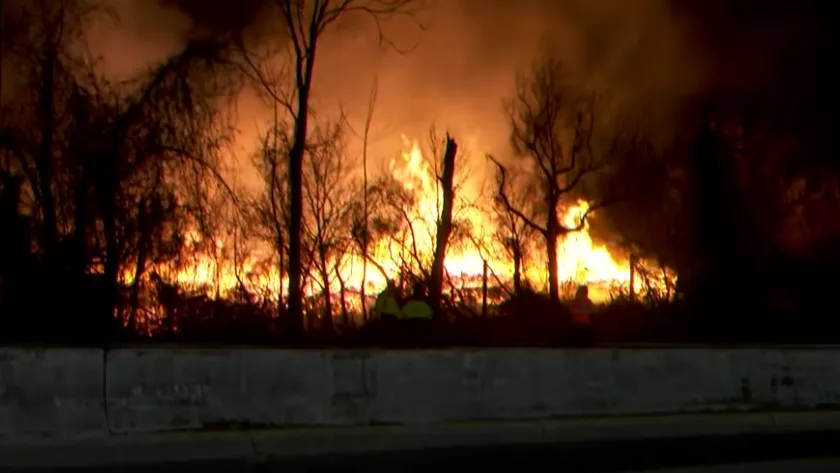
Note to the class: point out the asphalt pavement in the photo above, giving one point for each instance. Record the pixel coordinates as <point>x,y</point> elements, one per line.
<point>811,452</point>
<point>820,465</point>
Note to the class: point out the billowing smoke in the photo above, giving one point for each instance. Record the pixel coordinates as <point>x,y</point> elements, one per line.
<point>463,64</point>
<point>765,44</point>
<point>778,51</point>
<point>774,57</point>
<point>458,69</point>
<point>220,16</point>
<point>655,52</point>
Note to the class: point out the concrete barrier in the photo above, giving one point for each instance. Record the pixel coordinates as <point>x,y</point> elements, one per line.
<point>159,390</point>
<point>51,392</point>
<point>541,384</point>
<point>155,390</point>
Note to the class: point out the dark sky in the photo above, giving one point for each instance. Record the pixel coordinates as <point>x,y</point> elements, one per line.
<point>654,51</point>
<point>783,52</point>
<point>668,47</point>
<point>658,52</point>
<point>769,42</point>
<point>464,64</point>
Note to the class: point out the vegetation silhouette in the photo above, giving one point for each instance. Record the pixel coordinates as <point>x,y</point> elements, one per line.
<point>120,220</point>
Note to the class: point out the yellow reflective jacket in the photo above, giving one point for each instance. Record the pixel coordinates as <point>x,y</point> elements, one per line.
<point>386,303</point>
<point>417,309</point>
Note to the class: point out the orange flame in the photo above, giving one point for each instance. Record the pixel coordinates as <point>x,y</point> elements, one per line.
<point>580,260</point>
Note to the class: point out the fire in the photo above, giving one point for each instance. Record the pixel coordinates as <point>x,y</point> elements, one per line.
<point>418,177</point>
<point>580,259</point>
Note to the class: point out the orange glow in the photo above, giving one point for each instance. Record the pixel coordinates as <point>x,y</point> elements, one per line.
<point>580,259</point>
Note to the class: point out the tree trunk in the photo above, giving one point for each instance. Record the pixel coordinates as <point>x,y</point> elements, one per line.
<point>80,225</point>
<point>43,188</point>
<point>484,291</point>
<point>281,269</point>
<point>552,233</point>
<point>325,276</point>
<point>517,268</point>
<point>139,270</point>
<point>444,227</point>
<point>365,236</point>
<point>362,292</point>
<point>713,198</point>
<point>342,295</point>
<point>111,273</point>
<point>2,49</point>
<point>295,221</point>
<point>278,227</point>
<point>296,155</point>
<point>553,276</point>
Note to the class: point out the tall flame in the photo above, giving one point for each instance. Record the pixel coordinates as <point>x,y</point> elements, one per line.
<point>580,259</point>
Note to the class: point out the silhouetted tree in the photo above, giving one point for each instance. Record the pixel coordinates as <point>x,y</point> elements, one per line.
<point>363,239</point>
<point>514,234</point>
<point>303,25</point>
<point>443,225</point>
<point>329,189</point>
<point>271,209</point>
<point>375,218</point>
<point>116,169</point>
<point>553,127</point>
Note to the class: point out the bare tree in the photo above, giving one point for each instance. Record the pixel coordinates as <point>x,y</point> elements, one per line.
<point>40,57</point>
<point>272,208</point>
<point>112,166</point>
<point>553,124</point>
<point>405,241</point>
<point>328,192</point>
<point>365,236</point>
<point>304,23</point>
<point>425,212</point>
<point>444,221</point>
<point>513,232</point>
<point>383,220</point>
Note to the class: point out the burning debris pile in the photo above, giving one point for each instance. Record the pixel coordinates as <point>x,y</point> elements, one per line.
<point>121,192</point>
<point>478,258</point>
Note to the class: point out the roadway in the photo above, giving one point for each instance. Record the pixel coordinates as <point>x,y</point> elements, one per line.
<point>820,465</point>
<point>812,452</point>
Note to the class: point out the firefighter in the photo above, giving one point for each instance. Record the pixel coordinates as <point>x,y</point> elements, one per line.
<point>417,317</point>
<point>387,304</point>
<point>417,306</point>
<point>383,324</point>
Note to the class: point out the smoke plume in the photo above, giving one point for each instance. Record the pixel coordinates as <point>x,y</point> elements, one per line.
<point>459,67</point>
<point>463,64</point>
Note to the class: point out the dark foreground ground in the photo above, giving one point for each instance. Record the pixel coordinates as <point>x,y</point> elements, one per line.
<point>818,465</point>
<point>764,453</point>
